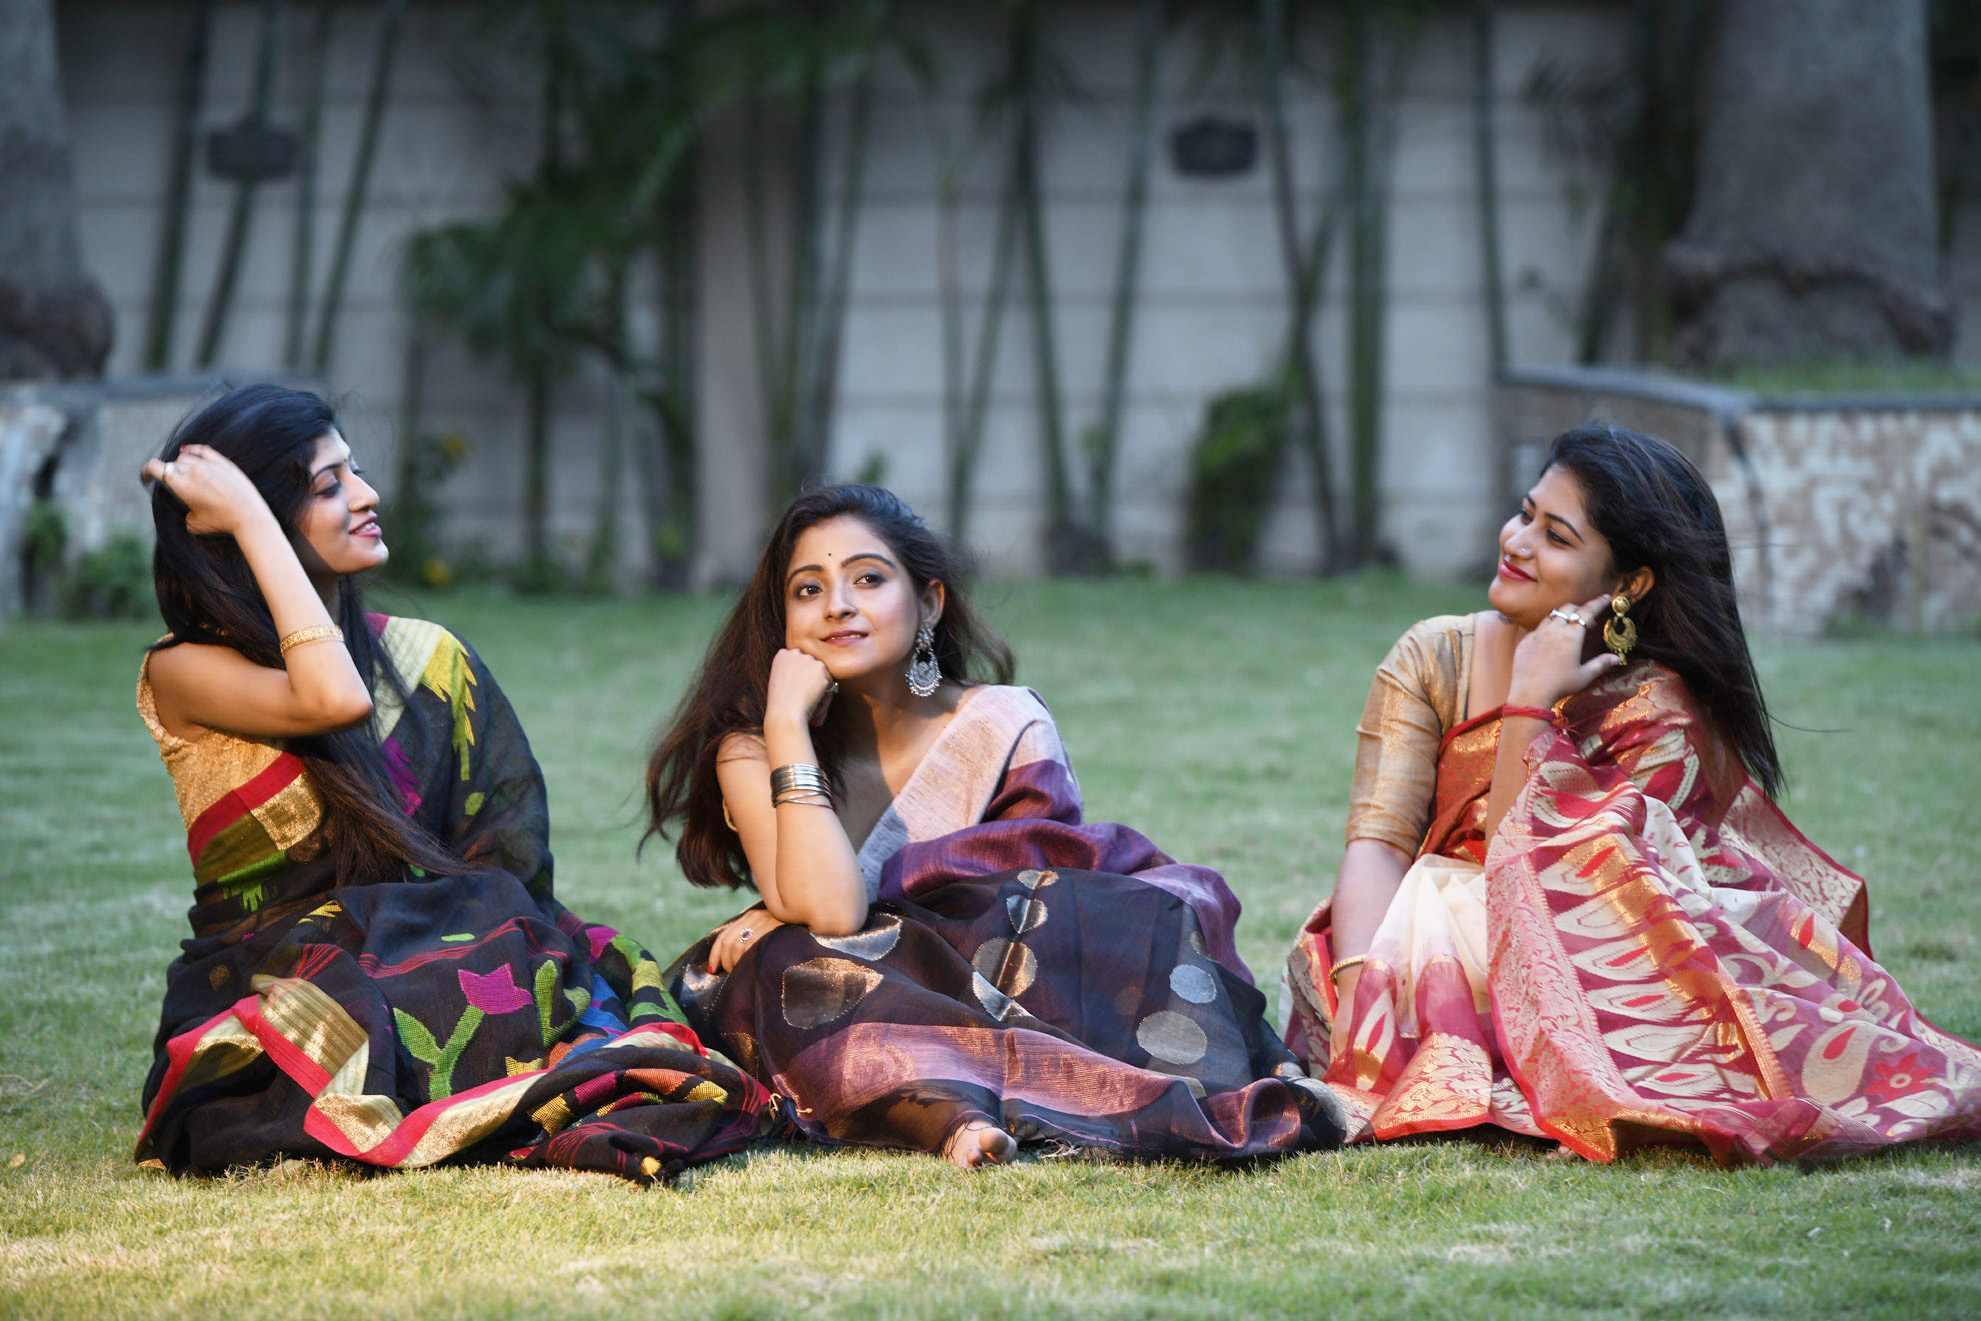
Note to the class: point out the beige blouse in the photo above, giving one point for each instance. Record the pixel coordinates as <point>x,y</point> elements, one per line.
<point>1418,696</point>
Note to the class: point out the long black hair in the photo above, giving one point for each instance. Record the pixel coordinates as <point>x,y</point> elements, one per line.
<point>208,593</point>
<point>1657,512</point>
<point>733,686</point>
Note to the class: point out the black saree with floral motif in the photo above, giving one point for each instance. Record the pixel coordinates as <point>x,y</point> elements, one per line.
<point>404,1020</point>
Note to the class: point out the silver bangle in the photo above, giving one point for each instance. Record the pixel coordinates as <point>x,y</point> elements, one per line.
<point>798,781</point>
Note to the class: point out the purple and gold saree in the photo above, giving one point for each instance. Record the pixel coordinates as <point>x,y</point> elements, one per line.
<point>403,1020</point>
<point>1646,953</point>
<point>1066,980</point>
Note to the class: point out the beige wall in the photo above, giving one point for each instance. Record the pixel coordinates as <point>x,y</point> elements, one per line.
<point>1212,307</point>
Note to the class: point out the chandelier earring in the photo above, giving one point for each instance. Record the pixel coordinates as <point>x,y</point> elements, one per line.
<point>1620,630</point>
<point>923,673</point>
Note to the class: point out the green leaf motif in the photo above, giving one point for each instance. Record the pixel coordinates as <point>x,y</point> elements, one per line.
<point>419,1041</point>
<point>458,937</point>
<point>546,985</point>
<point>442,1059</point>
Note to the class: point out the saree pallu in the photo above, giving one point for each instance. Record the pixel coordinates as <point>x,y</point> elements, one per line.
<point>1074,1009</point>
<point>1647,954</point>
<point>404,1020</point>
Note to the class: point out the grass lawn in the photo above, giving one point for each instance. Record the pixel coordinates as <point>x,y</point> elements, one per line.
<point>1217,717</point>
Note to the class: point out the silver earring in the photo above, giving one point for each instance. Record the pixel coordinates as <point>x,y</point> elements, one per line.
<point>923,673</point>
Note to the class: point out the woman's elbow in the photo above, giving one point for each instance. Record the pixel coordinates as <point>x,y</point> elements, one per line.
<point>339,711</point>
<point>838,919</point>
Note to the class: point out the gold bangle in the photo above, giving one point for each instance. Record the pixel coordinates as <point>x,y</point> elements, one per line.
<point>304,636</point>
<point>1351,961</point>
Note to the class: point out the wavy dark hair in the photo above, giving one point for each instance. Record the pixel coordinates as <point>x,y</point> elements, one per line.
<point>1657,512</point>
<point>208,594</point>
<point>729,694</point>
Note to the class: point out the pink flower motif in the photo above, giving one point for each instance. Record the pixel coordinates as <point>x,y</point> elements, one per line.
<point>600,938</point>
<point>495,992</point>
<point>1891,1079</point>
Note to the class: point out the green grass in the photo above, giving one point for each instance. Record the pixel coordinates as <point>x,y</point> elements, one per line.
<point>1216,716</point>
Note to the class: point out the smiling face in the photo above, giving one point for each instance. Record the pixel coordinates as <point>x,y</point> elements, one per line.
<point>337,530</point>
<point>849,603</point>
<point>1550,554</point>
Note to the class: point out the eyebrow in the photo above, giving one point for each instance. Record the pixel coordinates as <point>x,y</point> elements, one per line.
<point>1573,531</point>
<point>334,463</point>
<point>820,568</point>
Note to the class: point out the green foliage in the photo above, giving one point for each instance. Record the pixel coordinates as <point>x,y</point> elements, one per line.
<point>111,582</point>
<point>1858,378</point>
<point>417,511</point>
<point>1235,465</point>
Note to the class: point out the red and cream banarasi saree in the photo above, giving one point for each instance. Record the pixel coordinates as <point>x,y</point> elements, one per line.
<point>404,1020</point>
<point>1647,953</point>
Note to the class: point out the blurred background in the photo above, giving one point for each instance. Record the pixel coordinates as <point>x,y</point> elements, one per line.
<point>1258,286</point>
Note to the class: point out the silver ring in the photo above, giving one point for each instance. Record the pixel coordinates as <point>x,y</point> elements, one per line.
<point>744,936</point>
<point>171,466</point>
<point>1569,617</point>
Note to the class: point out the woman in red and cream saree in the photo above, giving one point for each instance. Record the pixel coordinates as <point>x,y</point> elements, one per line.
<point>1643,951</point>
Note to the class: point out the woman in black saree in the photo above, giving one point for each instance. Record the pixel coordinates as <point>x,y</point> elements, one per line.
<point>378,969</point>
<point>945,956</point>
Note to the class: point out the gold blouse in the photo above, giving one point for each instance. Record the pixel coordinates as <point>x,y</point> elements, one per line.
<point>1418,696</point>
<point>207,769</point>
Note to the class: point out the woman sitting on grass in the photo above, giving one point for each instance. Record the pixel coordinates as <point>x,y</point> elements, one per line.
<point>945,958</point>
<point>1609,934</point>
<point>378,969</point>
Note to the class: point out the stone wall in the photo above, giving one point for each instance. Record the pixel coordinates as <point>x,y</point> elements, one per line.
<point>1836,508</point>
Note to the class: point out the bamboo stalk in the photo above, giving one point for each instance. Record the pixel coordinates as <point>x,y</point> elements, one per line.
<point>315,64</point>
<point>1306,277</point>
<point>1128,261</point>
<point>178,197</point>
<point>970,431</point>
<point>1485,153</point>
<point>1063,552</point>
<point>392,15</point>
<point>240,219</point>
<point>822,391</point>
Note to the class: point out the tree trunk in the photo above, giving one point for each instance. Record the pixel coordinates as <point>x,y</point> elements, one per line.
<point>1812,236</point>
<point>54,321</point>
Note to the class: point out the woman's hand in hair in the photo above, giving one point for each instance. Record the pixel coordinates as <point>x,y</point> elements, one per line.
<point>798,683</point>
<point>217,495</point>
<point>1548,664</point>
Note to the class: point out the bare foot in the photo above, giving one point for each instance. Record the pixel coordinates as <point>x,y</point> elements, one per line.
<point>979,1142</point>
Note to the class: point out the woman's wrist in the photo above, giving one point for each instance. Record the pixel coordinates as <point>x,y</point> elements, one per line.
<point>1519,695</point>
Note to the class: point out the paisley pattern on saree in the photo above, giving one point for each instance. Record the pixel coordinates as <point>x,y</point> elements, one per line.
<point>1666,961</point>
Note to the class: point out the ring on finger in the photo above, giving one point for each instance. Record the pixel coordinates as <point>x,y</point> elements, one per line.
<point>745,934</point>
<point>1569,617</point>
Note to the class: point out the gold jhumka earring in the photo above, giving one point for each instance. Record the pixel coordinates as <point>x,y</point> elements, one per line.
<point>1619,630</point>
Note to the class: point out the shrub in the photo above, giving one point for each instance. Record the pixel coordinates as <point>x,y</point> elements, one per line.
<point>1234,464</point>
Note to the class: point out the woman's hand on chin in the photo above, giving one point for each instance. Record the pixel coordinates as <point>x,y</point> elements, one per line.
<point>798,683</point>
<point>1548,664</point>
<point>733,939</point>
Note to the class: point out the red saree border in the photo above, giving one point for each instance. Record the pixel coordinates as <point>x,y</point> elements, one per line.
<point>239,802</point>
<point>406,1135</point>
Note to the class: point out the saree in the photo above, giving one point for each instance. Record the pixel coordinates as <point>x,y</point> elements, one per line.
<point>1065,980</point>
<point>1646,953</point>
<point>399,1021</point>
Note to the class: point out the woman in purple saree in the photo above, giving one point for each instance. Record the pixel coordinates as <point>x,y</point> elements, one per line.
<point>946,957</point>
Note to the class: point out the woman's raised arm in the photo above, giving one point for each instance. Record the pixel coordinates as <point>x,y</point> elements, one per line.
<point>201,686</point>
